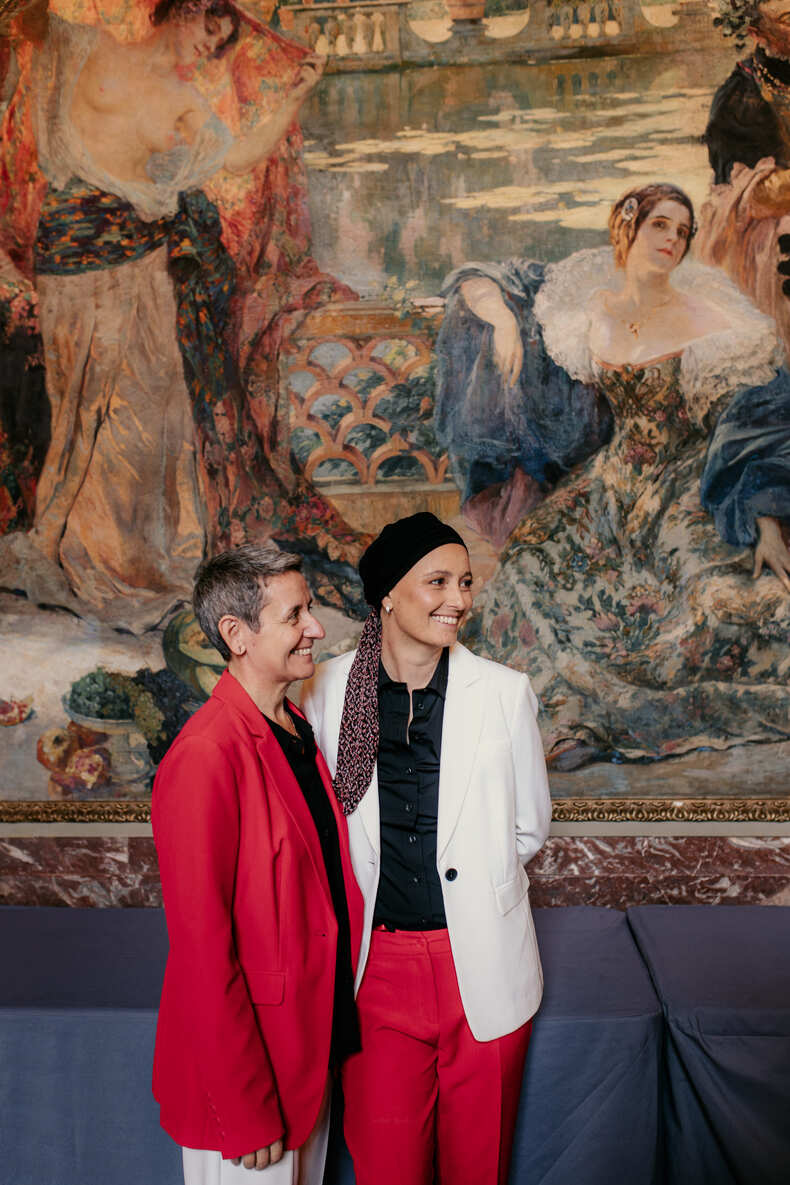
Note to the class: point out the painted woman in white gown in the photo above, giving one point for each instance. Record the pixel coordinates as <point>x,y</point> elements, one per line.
<point>627,591</point>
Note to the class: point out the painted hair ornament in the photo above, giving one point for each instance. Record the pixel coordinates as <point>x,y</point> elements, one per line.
<point>733,18</point>
<point>630,207</point>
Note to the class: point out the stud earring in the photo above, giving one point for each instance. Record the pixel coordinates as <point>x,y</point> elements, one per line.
<point>388,608</point>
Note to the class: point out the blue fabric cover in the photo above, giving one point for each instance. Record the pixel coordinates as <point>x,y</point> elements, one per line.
<point>78,997</point>
<point>589,1108</point>
<point>78,1005</point>
<point>723,977</point>
<point>79,991</point>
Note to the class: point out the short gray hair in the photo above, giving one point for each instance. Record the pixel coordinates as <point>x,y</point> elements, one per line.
<point>234,582</point>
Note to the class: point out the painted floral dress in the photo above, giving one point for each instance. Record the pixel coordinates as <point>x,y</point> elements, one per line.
<point>639,624</point>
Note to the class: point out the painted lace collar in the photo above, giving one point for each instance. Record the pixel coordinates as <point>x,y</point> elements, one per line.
<point>747,354</point>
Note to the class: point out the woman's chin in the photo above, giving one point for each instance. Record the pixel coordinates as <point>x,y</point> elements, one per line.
<point>443,634</point>
<point>301,666</point>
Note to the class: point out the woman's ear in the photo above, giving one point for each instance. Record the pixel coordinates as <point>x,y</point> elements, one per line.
<point>231,631</point>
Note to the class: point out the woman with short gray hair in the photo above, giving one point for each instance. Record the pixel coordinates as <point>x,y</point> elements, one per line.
<point>263,912</point>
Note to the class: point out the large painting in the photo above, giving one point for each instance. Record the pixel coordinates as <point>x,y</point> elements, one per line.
<point>289,273</point>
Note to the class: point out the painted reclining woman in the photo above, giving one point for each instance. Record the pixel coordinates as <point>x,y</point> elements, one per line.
<point>154,455</point>
<point>626,592</point>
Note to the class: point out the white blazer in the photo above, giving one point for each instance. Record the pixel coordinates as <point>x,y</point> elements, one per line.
<point>494,813</point>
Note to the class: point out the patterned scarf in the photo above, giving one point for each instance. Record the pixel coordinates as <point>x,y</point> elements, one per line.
<point>358,746</point>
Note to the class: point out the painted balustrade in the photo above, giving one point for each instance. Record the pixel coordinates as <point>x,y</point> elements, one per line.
<point>360,384</point>
<point>369,36</point>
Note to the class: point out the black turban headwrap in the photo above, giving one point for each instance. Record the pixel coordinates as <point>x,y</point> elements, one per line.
<point>398,548</point>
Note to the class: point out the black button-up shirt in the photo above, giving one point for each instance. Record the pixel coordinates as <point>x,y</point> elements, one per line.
<point>410,893</point>
<point>300,752</point>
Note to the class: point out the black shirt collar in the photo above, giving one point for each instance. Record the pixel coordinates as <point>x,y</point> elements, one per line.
<point>438,680</point>
<point>304,741</point>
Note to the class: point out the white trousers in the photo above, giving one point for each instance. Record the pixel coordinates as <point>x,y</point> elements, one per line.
<point>302,1166</point>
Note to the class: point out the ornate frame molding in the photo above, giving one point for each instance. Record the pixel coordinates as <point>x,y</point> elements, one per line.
<point>565,810</point>
<point>117,810</point>
<point>671,810</point>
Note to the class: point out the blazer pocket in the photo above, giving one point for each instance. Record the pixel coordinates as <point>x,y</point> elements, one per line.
<point>512,893</point>
<point>266,987</point>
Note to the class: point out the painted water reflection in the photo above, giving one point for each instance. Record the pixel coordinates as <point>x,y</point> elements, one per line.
<point>413,172</point>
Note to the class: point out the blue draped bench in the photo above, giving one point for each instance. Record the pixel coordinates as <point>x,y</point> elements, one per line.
<point>683,1080</point>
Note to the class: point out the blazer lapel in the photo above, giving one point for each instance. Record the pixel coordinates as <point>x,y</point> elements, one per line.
<point>280,779</point>
<point>368,811</point>
<point>278,776</point>
<point>461,729</point>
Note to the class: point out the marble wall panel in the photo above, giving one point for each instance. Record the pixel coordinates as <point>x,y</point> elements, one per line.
<point>83,871</point>
<point>615,871</point>
<point>682,870</point>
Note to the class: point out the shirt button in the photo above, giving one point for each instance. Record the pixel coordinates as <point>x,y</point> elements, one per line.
<point>408,808</point>
<point>412,839</point>
<point>409,769</point>
<point>451,874</point>
<point>416,880</point>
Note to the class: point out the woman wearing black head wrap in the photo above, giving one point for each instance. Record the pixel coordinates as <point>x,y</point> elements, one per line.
<point>439,767</point>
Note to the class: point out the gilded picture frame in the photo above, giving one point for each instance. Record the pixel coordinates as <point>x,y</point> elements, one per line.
<point>435,136</point>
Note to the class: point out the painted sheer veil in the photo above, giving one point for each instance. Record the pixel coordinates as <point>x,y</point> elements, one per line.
<point>265,228</point>
<point>240,87</point>
<point>264,213</point>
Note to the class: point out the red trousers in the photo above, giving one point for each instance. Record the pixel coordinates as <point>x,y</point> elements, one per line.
<point>425,1101</point>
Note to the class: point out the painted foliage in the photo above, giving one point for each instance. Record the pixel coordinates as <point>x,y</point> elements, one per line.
<point>186,363</point>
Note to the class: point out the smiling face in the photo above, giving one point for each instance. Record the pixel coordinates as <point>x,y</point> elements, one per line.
<point>662,238</point>
<point>429,604</point>
<point>280,651</point>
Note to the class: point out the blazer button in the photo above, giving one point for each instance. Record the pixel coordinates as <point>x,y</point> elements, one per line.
<point>451,874</point>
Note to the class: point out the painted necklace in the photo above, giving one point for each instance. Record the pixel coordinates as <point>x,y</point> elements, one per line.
<point>635,326</point>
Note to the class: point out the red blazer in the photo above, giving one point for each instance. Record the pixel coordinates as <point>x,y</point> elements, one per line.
<point>242,1044</point>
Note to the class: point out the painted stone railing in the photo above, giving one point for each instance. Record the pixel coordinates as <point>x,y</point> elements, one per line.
<point>370,36</point>
<point>360,383</point>
<point>353,36</point>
